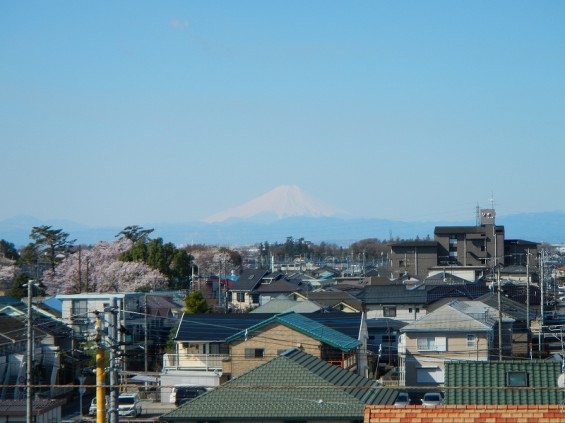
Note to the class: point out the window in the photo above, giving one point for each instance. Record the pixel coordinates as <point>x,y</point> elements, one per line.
<point>80,308</point>
<point>432,344</point>
<point>516,379</point>
<point>254,352</point>
<point>389,311</point>
<point>241,297</point>
<point>471,341</point>
<point>388,338</point>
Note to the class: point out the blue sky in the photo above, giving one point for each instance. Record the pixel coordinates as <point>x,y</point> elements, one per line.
<point>134,112</point>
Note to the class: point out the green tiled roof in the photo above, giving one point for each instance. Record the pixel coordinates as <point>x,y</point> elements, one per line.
<point>306,326</point>
<point>294,385</point>
<point>484,382</point>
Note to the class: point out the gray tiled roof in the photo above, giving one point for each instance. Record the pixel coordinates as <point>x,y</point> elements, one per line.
<point>292,386</point>
<point>510,307</point>
<point>283,303</point>
<point>249,279</point>
<point>451,318</point>
<point>393,294</point>
<point>332,298</point>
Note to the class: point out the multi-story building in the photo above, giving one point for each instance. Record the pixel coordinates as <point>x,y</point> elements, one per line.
<point>143,321</point>
<point>470,252</point>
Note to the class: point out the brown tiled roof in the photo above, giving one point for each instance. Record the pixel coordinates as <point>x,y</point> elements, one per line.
<point>465,414</point>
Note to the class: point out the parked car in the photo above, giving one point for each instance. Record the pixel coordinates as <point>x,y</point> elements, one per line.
<point>92,409</point>
<point>182,394</point>
<point>432,399</point>
<point>402,400</point>
<point>129,405</point>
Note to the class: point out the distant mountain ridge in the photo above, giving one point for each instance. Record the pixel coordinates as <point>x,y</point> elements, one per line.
<point>288,211</point>
<point>281,202</point>
<point>546,227</point>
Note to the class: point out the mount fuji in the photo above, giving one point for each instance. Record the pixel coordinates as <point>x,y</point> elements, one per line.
<point>282,202</point>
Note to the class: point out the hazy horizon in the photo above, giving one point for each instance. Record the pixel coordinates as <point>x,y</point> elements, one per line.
<point>116,113</point>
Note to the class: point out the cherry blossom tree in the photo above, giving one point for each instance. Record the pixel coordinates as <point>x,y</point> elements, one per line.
<point>99,269</point>
<point>8,273</point>
<point>210,259</point>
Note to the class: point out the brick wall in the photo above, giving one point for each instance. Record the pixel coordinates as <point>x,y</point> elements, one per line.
<point>466,414</point>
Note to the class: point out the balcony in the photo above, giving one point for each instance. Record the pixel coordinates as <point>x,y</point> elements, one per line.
<point>204,362</point>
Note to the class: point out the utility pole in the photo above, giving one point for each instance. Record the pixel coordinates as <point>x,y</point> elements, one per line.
<point>498,288</point>
<point>528,291</point>
<point>542,292</point>
<point>114,345</point>
<point>29,393</point>
<point>499,317</point>
<point>100,391</point>
<point>146,351</point>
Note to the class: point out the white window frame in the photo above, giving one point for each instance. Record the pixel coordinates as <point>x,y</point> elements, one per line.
<point>432,343</point>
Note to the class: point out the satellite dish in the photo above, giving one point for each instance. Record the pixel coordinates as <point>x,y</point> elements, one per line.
<point>561,381</point>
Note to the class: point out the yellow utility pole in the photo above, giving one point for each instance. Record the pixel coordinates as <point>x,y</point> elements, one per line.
<point>100,391</point>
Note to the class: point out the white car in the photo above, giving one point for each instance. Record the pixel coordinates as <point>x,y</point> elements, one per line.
<point>402,400</point>
<point>92,409</point>
<point>432,399</point>
<point>129,405</point>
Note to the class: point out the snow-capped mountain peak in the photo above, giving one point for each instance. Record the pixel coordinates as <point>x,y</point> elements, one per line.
<point>283,201</point>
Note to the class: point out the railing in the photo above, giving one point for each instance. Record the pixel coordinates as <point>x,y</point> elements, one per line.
<point>193,361</point>
<point>390,382</point>
<point>401,348</point>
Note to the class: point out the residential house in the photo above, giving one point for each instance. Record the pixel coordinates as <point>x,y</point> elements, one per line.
<point>522,316</point>
<point>292,386</point>
<point>382,343</point>
<point>332,300</point>
<point>203,343</point>
<point>264,340</point>
<point>394,301</point>
<point>13,356</point>
<point>456,331</point>
<point>272,288</point>
<point>52,352</point>
<point>43,410</point>
<point>242,295</point>
<point>507,382</point>
<point>326,272</point>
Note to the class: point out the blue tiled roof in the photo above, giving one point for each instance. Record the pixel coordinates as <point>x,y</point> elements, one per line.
<point>306,326</point>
